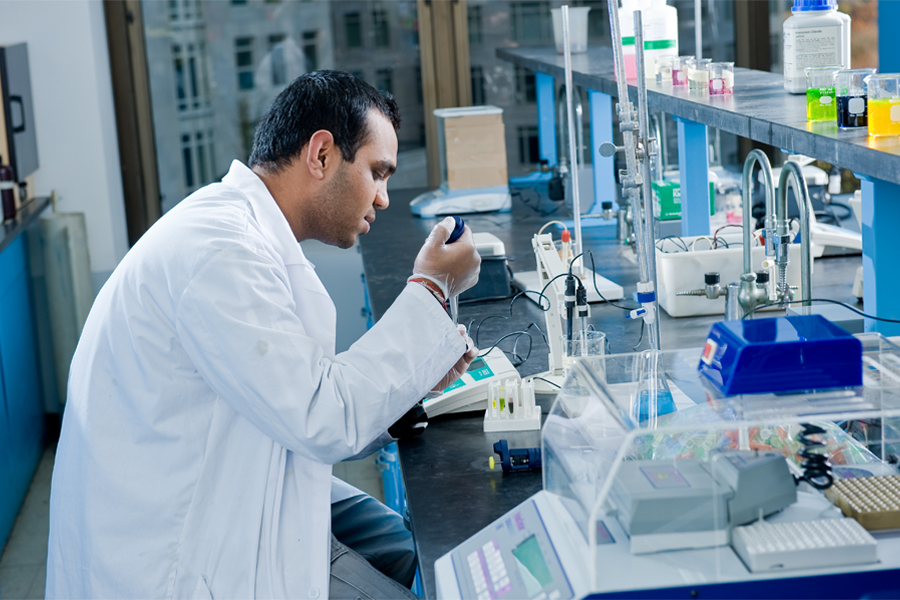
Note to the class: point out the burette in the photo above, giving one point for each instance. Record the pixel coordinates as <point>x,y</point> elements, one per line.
<point>635,178</point>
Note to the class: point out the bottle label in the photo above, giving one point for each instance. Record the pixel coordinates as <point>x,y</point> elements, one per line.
<point>7,185</point>
<point>651,44</point>
<point>810,47</point>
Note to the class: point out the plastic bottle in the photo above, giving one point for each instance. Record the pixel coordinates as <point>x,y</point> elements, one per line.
<point>660,34</point>
<point>816,35</point>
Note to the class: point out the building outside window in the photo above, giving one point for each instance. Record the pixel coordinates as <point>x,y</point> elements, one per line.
<point>381,29</point>
<point>474,19</point>
<point>353,29</point>
<point>478,96</point>
<point>384,80</point>
<point>526,92</point>
<point>243,60</point>
<point>276,54</point>
<point>310,50</point>
<point>528,144</point>
<point>531,22</point>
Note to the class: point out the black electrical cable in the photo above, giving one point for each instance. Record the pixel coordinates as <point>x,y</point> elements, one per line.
<point>515,355</point>
<point>597,289</point>
<point>556,385</point>
<point>816,470</point>
<point>827,300</point>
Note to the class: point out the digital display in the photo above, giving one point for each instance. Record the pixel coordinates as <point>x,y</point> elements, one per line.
<point>532,566</point>
<point>478,363</point>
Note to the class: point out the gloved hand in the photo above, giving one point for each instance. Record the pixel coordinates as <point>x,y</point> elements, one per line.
<point>410,424</point>
<point>460,367</point>
<point>453,267</point>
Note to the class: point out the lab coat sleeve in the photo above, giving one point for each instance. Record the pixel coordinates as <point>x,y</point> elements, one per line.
<point>238,321</point>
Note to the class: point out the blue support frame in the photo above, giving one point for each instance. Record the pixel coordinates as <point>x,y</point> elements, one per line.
<point>546,109</point>
<point>693,165</point>
<point>888,25</point>
<point>601,107</point>
<point>881,295</point>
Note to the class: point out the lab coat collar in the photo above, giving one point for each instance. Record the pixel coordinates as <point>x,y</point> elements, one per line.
<point>267,211</point>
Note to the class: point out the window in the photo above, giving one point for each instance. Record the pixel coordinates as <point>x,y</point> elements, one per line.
<point>531,22</point>
<point>528,145</point>
<point>382,30</point>
<point>478,97</point>
<point>191,82</point>
<point>197,158</point>
<point>310,49</point>
<point>184,11</point>
<point>353,30</point>
<point>243,60</point>
<point>276,59</point>
<point>474,18</point>
<point>384,80</point>
<point>526,93</point>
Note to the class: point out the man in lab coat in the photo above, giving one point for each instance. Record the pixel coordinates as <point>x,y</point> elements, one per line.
<point>206,403</point>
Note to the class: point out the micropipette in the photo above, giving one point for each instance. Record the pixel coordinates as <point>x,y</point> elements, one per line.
<point>455,235</point>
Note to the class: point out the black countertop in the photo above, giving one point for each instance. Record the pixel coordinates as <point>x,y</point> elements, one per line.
<point>759,109</point>
<point>451,493</point>
<point>25,216</point>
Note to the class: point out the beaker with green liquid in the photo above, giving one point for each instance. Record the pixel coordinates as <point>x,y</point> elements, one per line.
<point>883,93</point>
<point>820,98</point>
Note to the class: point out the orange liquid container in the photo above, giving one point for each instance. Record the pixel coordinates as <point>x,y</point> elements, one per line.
<point>884,117</point>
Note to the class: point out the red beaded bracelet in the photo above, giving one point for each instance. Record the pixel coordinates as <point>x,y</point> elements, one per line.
<point>431,287</point>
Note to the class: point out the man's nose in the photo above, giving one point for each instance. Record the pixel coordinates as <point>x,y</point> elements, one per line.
<point>381,199</point>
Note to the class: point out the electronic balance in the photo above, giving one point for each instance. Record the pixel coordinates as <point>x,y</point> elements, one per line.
<point>470,392</point>
<point>702,500</point>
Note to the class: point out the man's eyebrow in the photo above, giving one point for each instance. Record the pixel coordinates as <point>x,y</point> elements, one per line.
<point>387,166</point>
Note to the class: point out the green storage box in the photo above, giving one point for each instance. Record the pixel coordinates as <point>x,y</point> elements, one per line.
<point>667,200</point>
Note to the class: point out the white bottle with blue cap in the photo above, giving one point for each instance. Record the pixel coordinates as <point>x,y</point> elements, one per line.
<point>817,35</point>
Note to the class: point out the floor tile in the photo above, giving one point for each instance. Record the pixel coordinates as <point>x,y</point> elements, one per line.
<point>15,582</point>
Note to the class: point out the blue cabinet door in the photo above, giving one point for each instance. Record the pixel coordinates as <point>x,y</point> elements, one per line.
<point>21,418</point>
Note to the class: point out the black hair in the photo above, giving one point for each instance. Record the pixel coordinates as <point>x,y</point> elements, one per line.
<point>334,101</point>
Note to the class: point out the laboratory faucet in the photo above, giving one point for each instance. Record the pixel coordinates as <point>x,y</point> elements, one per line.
<point>792,176</point>
<point>752,295</point>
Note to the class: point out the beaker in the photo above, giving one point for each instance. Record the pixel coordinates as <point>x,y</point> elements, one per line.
<point>820,93</point>
<point>588,346</point>
<point>883,92</point>
<point>578,29</point>
<point>850,92</point>
<point>721,78</point>
<point>664,69</point>
<point>698,78</point>
<point>679,70</point>
<point>652,398</point>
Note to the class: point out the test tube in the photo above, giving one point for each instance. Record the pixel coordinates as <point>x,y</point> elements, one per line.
<point>679,70</point>
<point>721,78</point>
<point>664,69</point>
<point>883,92</point>
<point>850,92</point>
<point>698,78</point>
<point>820,104</point>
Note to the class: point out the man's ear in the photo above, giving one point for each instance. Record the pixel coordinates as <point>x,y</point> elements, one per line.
<point>320,153</point>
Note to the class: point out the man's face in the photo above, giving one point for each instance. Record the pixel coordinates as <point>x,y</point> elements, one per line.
<point>346,204</point>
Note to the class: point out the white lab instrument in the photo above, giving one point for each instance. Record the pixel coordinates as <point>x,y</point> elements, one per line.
<point>546,280</point>
<point>472,152</point>
<point>511,406</point>
<point>470,392</point>
<point>673,501</point>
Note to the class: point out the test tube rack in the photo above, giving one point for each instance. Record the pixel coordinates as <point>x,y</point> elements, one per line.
<point>511,406</point>
<point>873,501</point>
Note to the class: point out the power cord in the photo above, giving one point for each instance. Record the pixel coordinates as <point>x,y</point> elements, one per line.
<point>826,300</point>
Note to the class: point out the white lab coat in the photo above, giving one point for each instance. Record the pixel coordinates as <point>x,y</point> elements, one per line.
<point>206,407</point>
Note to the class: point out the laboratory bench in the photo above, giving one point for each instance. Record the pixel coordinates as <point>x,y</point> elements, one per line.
<point>759,109</point>
<point>451,492</point>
